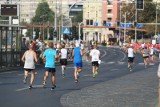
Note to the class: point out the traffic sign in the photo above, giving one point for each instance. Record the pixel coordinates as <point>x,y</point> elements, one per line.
<point>128,25</point>
<point>121,25</point>
<point>108,24</point>
<point>139,25</point>
<point>66,30</point>
<point>95,23</point>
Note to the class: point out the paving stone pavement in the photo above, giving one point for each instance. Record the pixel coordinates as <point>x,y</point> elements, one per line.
<point>138,89</point>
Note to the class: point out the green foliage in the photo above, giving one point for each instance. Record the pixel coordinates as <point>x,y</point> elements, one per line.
<point>43,13</point>
<point>147,15</point>
<point>78,18</point>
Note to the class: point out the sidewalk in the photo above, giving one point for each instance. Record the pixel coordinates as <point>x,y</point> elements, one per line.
<point>138,89</point>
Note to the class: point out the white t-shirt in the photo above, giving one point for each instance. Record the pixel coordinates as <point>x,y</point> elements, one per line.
<point>95,55</point>
<point>63,53</point>
<point>130,52</point>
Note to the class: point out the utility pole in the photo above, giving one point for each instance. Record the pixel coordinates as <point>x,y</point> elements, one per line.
<point>135,21</point>
<point>125,29</point>
<point>55,23</point>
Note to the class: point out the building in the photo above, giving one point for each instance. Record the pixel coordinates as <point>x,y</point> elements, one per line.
<point>98,14</point>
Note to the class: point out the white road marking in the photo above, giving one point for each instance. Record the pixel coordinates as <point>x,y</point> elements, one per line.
<point>8,72</point>
<point>69,67</point>
<point>141,63</point>
<point>120,62</point>
<point>87,75</point>
<point>124,56</point>
<point>105,53</point>
<point>110,62</point>
<point>151,64</point>
<point>114,69</point>
<point>28,74</point>
<point>34,86</point>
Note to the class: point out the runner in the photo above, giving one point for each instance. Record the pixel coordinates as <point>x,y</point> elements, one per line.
<point>77,54</point>
<point>63,59</point>
<point>131,53</point>
<point>95,54</point>
<point>50,56</point>
<point>145,54</point>
<point>29,65</point>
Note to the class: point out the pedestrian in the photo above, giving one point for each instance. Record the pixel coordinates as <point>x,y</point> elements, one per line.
<point>77,61</point>
<point>63,59</point>
<point>29,58</point>
<point>50,56</point>
<point>95,55</point>
<point>131,54</point>
<point>145,54</point>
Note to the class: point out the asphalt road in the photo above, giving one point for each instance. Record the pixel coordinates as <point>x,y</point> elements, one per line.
<point>13,93</point>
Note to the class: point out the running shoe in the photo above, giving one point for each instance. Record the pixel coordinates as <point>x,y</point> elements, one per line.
<point>44,83</point>
<point>30,87</point>
<point>96,72</point>
<point>53,87</point>
<point>76,81</point>
<point>63,75</point>
<point>94,75</point>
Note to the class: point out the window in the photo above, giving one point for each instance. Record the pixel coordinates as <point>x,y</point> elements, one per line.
<point>109,2</point>
<point>109,19</point>
<point>109,10</point>
<point>87,22</point>
<point>91,22</point>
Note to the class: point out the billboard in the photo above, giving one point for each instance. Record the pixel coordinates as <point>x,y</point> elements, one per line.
<point>9,10</point>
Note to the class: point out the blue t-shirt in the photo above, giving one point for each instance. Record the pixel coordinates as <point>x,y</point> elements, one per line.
<point>77,55</point>
<point>49,54</point>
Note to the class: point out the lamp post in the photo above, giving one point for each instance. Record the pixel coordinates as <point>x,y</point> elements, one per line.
<point>136,21</point>
<point>125,29</point>
<point>156,20</point>
<point>80,30</point>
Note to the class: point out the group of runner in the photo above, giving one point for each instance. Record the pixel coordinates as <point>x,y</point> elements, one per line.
<point>50,55</point>
<point>147,52</point>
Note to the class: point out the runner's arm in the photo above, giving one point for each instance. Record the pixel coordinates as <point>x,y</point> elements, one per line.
<point>23,57</point>
<point>35,57</point>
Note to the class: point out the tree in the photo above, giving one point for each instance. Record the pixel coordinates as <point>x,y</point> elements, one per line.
<point>147,15</point>
<point>77,18</point>
<point>44,16</point>
<point>43,13</point>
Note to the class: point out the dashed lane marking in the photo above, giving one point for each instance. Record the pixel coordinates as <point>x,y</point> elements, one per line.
<point>28,73</point>
<point>8,72</point>
<point>114,69</point>
<point>34,86</point>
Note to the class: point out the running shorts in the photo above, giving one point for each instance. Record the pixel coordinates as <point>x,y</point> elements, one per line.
<point>50,69</point>
<point>95,63</point>
<point>63,61</point>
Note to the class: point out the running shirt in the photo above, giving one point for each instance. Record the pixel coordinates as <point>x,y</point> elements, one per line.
<point>130,52</point>
<point>29,60</point>
<point>77,55</point>
<point>63,53</point>
<point>95,55</point>
<point>49,54</point>
<point>145,52</point>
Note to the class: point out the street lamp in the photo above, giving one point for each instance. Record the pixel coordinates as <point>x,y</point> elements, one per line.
<point>156,20</point>
<point>135,21</point>
<point>80,30</point>
<point>125,29</point>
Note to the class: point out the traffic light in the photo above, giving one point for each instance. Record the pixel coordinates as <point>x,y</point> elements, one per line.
<point>135,24</point>
<point>118,23</point>
<point>140,4</point>
<point>55,33</point>
<point>104,22</point>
